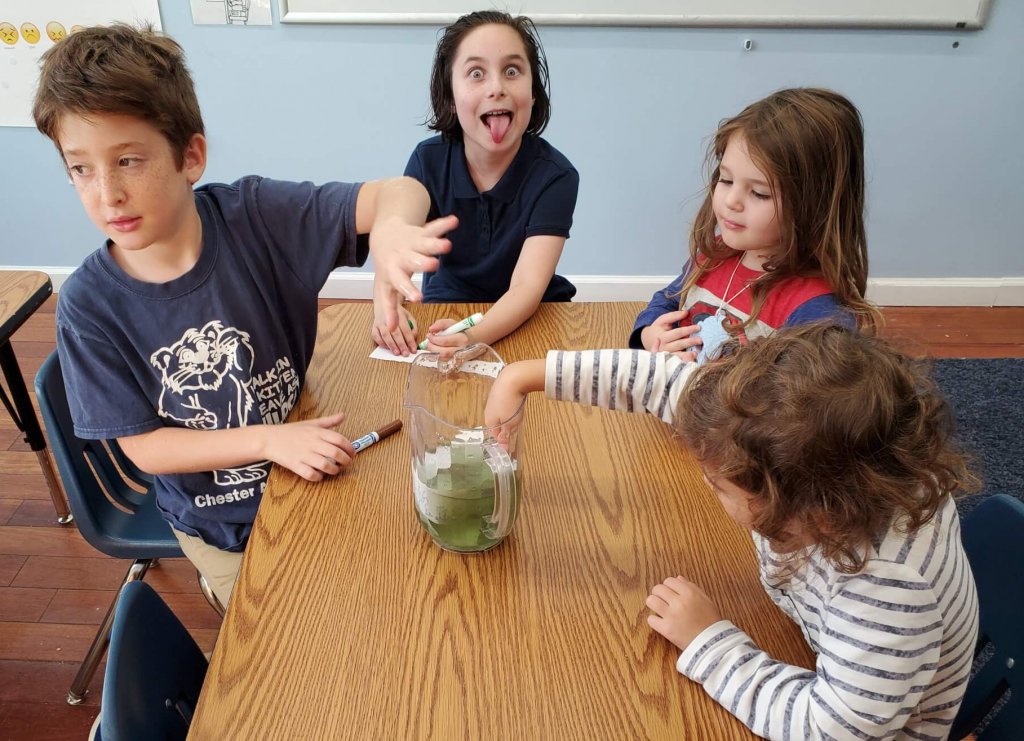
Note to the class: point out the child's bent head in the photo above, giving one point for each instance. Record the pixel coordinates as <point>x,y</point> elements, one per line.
<point>120,70</point>
<point>834,434</point>
<point>443,117</point>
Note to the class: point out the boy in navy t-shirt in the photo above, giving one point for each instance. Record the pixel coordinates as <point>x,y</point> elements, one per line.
<point>187,335</point>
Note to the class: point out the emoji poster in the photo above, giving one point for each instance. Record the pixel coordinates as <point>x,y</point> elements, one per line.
<point>29,27</point>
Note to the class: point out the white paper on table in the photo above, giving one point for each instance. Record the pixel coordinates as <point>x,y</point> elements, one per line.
<point>382,353</point>
<point>478,367</point>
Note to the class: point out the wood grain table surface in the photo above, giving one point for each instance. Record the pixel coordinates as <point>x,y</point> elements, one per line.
<point>21,293</point>
<point>348,622</point>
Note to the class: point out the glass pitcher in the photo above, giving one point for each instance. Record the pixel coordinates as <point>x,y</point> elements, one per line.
<point>466,484</point>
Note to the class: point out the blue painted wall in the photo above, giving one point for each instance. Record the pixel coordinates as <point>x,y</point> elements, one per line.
<point>632,108</point>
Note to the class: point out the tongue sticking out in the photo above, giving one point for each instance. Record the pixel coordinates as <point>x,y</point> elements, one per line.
<point>498,124</point>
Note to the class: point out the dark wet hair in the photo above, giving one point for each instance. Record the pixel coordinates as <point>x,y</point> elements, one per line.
<point>443,118</point>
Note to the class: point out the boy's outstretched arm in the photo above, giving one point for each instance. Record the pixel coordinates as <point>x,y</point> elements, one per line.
<point>393,211</point>
<point>310,449</point>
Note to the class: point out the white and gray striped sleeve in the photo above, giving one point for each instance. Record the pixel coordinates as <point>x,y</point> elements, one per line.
<point>627,380</point>
<point>879,644</point>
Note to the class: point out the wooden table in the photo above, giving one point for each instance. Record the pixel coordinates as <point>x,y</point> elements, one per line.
<point>347,622</point>
<point>21,293</point>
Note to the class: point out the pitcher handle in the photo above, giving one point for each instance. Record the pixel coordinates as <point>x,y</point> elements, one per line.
<point>502,467</point>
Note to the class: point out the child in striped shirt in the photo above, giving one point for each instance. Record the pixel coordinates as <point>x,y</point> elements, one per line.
<point>835,451</point>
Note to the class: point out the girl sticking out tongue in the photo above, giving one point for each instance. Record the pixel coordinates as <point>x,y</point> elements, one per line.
<point>513,192</point>
<point>499,123</point>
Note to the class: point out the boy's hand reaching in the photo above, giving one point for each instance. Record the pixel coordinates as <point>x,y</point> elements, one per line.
<point>400,249</point>
<point>681,610</point>
<point>664,336</point>
<point>400,342</point>
<point>310,448</point>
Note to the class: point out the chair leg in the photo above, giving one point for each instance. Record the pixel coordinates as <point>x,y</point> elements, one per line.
<point>211,597</point>
<point>80,686</point>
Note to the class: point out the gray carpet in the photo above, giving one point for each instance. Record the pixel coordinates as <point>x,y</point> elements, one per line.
<point>988,400</point>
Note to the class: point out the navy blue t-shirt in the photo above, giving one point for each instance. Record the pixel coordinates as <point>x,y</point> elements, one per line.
<point>536,196</point>
<point>225,345</point>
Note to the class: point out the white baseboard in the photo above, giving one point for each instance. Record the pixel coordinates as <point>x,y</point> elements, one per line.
<point>883,291</point>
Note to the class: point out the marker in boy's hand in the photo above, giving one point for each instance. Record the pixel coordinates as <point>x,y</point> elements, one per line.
<point>682,611</point>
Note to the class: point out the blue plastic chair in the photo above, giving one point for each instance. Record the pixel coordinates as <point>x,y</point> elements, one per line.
<point>993,536</point>
<point>154,674</point>
<point>115,518</point>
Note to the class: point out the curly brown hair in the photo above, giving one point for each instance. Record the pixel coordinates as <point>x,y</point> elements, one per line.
<point>119,69</point>
<point>835,434</point>
<point>809,142</point>
<point>443,118</point>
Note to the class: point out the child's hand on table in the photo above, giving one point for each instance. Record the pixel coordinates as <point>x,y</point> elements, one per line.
<point>310,449</point>
<point>681,610</point>
<point>664,336</point>
<point>400,342</point>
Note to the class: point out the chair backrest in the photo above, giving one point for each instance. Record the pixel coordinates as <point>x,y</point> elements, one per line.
<point>993,536</point>
<point>154,671</point>
<point>113,516</point>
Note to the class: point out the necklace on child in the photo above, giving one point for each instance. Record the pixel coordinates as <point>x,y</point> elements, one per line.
<point>726,299</point>
<point>712,328</point>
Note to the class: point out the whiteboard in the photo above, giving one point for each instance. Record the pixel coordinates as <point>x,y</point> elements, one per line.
<point>940,14</point>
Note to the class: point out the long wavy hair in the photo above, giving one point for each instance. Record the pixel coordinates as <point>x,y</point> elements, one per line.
<point>835,434</point>
<point>809,142</point>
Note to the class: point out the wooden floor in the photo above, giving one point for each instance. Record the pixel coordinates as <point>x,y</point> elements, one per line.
<point>54,588</point>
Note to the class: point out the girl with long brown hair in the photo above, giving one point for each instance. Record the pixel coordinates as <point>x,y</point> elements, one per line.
<point>779,238</point>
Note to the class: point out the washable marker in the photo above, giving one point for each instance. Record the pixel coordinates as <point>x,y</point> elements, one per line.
<point>377,435</point>
<point>469,321</point>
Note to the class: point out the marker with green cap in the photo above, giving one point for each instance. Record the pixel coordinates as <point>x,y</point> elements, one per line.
<point>469,321</point>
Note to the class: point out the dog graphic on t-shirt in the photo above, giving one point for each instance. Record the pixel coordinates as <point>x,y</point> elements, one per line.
<point>206,378</point>
<point>207,385</point>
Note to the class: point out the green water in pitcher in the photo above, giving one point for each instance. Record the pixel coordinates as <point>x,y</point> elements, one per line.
<point>454,493</point>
